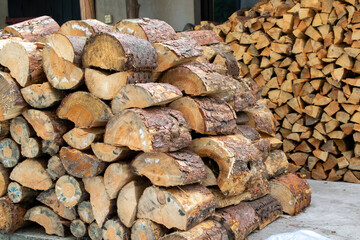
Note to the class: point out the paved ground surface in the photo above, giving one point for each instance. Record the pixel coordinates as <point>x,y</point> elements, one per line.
<point>334,213</point>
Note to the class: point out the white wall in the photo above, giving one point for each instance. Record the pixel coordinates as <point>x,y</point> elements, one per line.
<point>3,12</point>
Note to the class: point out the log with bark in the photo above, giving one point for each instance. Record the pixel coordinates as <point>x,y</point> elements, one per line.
<point>83,28</point>
<point>109,153</point>
<point>11,216</point>
<point>146,229</point>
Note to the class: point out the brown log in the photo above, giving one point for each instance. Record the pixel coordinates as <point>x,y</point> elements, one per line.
<point>46,124</point>
<point>276,163</point>
<point>228,61</point>
<point>78,228</point>
<point>83,28</point>
<point>101,203</point>
<point>116,176</point>
<point>249,132</point>
<point>239,220</point>
<point>55,168</point>
<point>12,216</point>
<point>87,9</point>
<point>292,192</point>
<point>49,198</point>
<point>31,148</point>
<point>4,180</point>
<point>45,217</point>
<point>70,191</point>
<point>150,231</point>
<point>50,147</point>
<point>350,177</point>
<point>105,85</point>
<point>209,229</point>
<point>79,164</point>
<point>67,47</point>
<point>240,163</point>
<point>210,179</point>
<point>4,128</point>
<point>109,153</point>
<point>198,79</point>
<point>84,110</point>
<point>112,51</point>
<point>85,212</point>
<point>202,37</point>
<point>18,193</point>
<point>181,208</point>
<point>143,95</point>
<point>33,30</point>
<point>94,231</point>
<point>41,95</point>
<point>27,69</point>
<point>9,153</point>
<point>128,199</point>
<point>11,101</point>
<point>170,169</point>
<point>81,139</point>
<point>152,30</point>
<point>114,229</point>
<point>152,130</point>
<point>261,119</point>
<point>207,115</point>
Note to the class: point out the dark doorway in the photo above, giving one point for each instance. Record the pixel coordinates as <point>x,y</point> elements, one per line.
<point>60,10</point>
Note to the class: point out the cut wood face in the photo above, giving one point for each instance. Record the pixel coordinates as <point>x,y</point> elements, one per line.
<point>9,153</point>
<point>109,153</point>
<point>61,45</point>
<point>83,28</point>
<point>85,212</point>
<point>81,139</point>
<point>4,180</point>
<point>202,37</point>
<point>114,229</point>
<point>150,231</point>
<point>41,95</point>
<point>78,228</point>
<point>69,191</point>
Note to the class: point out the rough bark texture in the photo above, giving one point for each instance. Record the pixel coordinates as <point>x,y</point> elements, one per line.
<point>276,163</point>
<point>202,37</point>
<point>261,119</point>
<point>4,180</point>
<point>55,167</point>
<point>4,128</point>
<point>11,216</point>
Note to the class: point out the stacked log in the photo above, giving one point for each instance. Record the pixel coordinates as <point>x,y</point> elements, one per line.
<point>305,56</point>
<point>134,137</point>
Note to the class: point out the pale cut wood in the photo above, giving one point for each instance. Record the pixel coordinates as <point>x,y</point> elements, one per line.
<point>45,217</point>
<point>4,180</point>
<point>18,193</point>
<point>112,51</point>
<point>261,119</point>
<point>84,210</point>
<point>31,148</point>
<point>210,179</point>
<point>114,229</point>
<point>100,201</point>
<point>49,198</point>
<point>276,163</point>
<point>106,85</point>
<point>83,28</point>
<point>116,176</point>
<point>9,153</point>
<point>143,95</point>
<point>70,191</point>
<point>11,216</point>
<point>78,228</point>
<point>81,139</point>
<point>170,169</point>
<point>181,208</point>
<point>152,30</point>
<point>41,95</point>
<point>109,153</point>
<point>151,130</point>
<point>84,110</point>
<point>11,100</point>
<point>207,115</point>
<point>128,199</point>
<point>33,30</point>
<point>94,231</point>
<point>150,231</point>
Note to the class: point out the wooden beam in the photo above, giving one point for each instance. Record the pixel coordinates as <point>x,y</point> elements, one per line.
<point>87,9</point>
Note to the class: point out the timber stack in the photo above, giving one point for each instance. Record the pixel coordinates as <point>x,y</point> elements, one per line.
<point>305,55</point>
<point>119,136</point>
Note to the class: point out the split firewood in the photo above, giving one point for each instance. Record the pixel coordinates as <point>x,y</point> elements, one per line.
<point>152,30</point>
<point>9,153</point>
<point>4,180</point>
<point>11,101</point>
<point>46,124</point>
<point>83,28</point>
<point>79,164</point>
<point>84,210</point>
<point>27,69</point>
<point>261,119</point>
<point>198,79</point>
<point>350,177</point>
<point>128,199</point>
<point>230,217</point>
<point>50,147</point>
<point>49,198</point>
<point>208,229</point>
<point>102,205</point>
<point>33,30</point>
<point>229,62</point>
<point>41,95</point>
<point>116,176</point>
<point>45,217</point>
<point>180,208</point>
<point>146,229</point>
<point>81,139</point>
<point>106,85</point>
<point>143,95</point>
<point>249,133</point>
<point>114,229</point>
<point>84,110</point>
<point>202,37</point>
<point>210,179</point>
<point>276,163</point>
<point>292,192</point>
<point>112,51</point>
<point>12,216</point>
<point>55,168</point>
<point>70,191</point>
<point>78,228</point>
<point>109,153</point>
<point>18,193</point>
<point>94,231</point>
<point>152,130</point>
<point>4,128</point>
<point>237,158</point>
<point>207,115</point>
<point>31,148</point>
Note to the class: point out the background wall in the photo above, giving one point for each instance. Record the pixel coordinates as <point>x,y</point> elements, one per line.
<point>116,8</point>
<point>3,12</point>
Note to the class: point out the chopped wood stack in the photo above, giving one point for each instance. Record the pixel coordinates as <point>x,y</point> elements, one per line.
<point>305,56</point>
<point>110,153</point>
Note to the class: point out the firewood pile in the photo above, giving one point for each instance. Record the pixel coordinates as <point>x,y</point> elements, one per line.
<point>305,55</point>
<point>128,132</point>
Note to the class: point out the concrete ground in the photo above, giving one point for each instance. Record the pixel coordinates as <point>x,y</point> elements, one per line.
<point>334,213</point>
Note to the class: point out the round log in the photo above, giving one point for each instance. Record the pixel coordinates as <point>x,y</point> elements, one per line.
<point>18,193</point>
<point>83,28</point>
<point>113,229</point>
<point>31,148</point>
<point>145,229</point>
<point>9,152</point>
<point>276,163</point>
<point>81,139</point>
<point>41,95</point>
<point>55,168</point>
<point>78,228</point>
<point>85,212</point>
<point>94,231</point>
<point>20,129</point>
<point>69,191</point>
